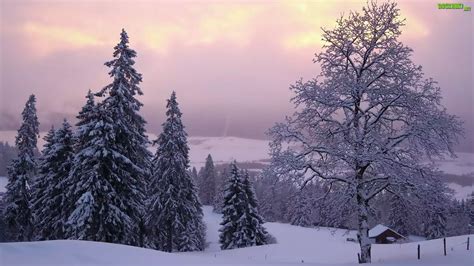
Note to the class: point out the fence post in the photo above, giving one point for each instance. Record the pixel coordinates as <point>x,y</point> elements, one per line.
<point>444,243</point>
<point>358,257</point>
<point>467,243</point>
<point>418,251</point>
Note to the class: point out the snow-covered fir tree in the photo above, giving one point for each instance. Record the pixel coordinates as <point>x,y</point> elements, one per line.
<point>435,223</point>
<point>194,175</point>
<point>87,112</point>
<point>122,106</point>
<point>207,182</point>
<point>219,197</point>
<point>48,191</point>
<point>17,214</point>
<point>399,215</point>
<point>174,215</point>
<point>104,194</point>
<point>433,209</point>
<point>457,222</point>
<point>234,226</point>
<point>241,225</point>
<point>301,213</point>
<point>258,233</point>
<point>470,208</point>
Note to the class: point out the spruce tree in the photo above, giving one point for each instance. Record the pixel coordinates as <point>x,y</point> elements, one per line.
<point>435,223</point>
<point>104,194</point>
<point>124,161</point>
<point>17,214</point>
<point>301,212</point>
<point>241,225</point>
<point>87,112</point>
<point>258,233</point>
<point>232,233</point>
<point>194,175</point>
<point>219,197</point>
<point>48,197</point>
<point>122,106</point>
<point>174,216</point>
<point>207,186</point>
<point>399,217</point>
<point>434,209</point>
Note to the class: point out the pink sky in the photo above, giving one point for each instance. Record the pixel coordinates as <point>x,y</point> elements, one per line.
<point>230,62</point>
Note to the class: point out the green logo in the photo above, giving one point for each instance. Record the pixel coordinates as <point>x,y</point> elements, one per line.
<point>454,6</point>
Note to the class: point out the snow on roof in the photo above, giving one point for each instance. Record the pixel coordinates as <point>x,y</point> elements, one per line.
<point>380,228</point>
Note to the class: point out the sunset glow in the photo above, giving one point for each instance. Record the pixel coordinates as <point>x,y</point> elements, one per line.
<point>207,50</point>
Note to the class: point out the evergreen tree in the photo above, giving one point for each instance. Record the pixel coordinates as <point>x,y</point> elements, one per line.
<point>241,225</point>
<point>435,223</point>
<point>207,186</point>
<point>123,108</point>
<point>399,217</point>
<point>124,134</point>
<point>457,222</point>
<point>302,211</point>
<point>219,197</point>
<point>434,209</point>
<point>194,174</point>
<point>470,207</point>
<point>87,112</point>
<point>17,213</point>
<point>258,233</point>
<point>232,233</point>
<point>48,196</point>
<point>104,200</point>
<point>174,215</point>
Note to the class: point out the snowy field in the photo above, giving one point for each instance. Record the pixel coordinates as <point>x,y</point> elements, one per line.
<point>223,149</point>
<point>226,149</point>
<point>3,183</point>
<point>296,246</point>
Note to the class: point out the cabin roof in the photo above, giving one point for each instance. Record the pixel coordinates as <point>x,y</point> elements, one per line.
<point>379,229</point>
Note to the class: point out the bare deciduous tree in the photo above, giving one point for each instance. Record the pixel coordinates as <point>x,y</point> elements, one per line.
<point>370,121</point>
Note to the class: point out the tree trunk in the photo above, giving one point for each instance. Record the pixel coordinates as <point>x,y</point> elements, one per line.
<point>363,229</point>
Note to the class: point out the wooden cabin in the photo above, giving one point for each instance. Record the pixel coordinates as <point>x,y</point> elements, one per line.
<point>381,234</point>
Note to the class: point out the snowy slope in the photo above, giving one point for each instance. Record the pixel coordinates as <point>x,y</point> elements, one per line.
<point>3,183</point>
<point>296,245</point>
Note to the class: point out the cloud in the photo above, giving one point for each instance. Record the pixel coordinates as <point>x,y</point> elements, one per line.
<point>47,39</point>
<point>231,63</point>
<point>229,24</point>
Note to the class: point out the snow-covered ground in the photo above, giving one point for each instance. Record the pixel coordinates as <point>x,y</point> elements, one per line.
<point>296,245</point>
<point>3,183</point>
<point>222,149</point>
<point>462,165</point>
<point>225,149</point>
